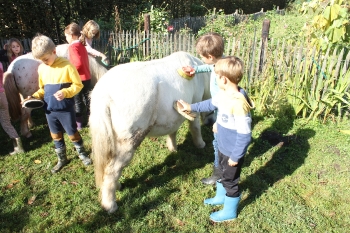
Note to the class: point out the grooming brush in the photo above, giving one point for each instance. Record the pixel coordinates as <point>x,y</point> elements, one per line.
<point>187,114</point>
<point>185,72</point>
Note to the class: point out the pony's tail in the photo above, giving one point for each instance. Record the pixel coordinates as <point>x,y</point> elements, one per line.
<point>12,95</point>
<point>102,134</point>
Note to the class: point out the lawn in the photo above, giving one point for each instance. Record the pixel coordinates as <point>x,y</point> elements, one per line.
<point>295,179</point>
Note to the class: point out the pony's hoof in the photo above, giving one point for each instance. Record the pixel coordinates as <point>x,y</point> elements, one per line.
<point>110,209</point>
<point>171,147</point>
<point>200,145</point>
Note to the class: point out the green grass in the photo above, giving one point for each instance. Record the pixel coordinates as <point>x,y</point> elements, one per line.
<point>295,179</point>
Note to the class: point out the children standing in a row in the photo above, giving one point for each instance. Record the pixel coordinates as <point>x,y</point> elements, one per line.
<point>210,48</point>
<point>233,134</point>
<point>59,82</point>
<point>78,56</point>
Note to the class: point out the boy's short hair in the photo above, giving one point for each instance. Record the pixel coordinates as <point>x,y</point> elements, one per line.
<point>230,67</point>
<point>42,45</point>
<point>210,44</point>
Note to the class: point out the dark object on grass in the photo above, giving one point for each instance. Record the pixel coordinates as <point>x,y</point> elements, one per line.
<point>33,103</point>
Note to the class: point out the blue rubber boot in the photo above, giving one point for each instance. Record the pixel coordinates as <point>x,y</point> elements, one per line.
<point>229,212</point>
<point>219,197</point>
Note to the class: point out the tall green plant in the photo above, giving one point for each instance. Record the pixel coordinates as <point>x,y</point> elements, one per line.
<point>159,17</point>
<point>331,24</point>
<point>313,90</point>
<point>217,21</point>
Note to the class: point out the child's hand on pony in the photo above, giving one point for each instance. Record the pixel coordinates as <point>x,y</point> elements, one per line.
<point>188,70</point>
<point>28,98</point>
<point>185,106</point>
<point>105,60</point>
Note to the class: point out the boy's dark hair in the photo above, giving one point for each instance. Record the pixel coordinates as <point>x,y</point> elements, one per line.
<point>210,44</point>
<point>230,67</point>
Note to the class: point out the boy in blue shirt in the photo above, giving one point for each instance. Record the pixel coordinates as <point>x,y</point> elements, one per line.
<point>233,127</point>
<point>210,48</point>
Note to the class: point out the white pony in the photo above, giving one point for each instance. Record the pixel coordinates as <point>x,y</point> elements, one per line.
<point>135,100</point>
<point>21,80</point>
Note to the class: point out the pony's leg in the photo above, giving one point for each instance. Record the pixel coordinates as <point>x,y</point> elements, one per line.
<point>111,176</point>
<point>171,141</point>
<point>24,123</point>
<point>195,130</point>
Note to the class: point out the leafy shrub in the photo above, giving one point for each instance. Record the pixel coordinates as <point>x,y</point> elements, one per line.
<point>330,26</point>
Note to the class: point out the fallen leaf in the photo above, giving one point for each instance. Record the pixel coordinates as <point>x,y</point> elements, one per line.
<point>345,131</point>
<point>37,161</point>
<point>44,214</point>
<point>9,186</point>
<point>31,200</point>
<point>179,222</point>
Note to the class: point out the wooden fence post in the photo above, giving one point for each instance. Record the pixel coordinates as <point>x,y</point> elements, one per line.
<point>147,29</point>
<point>264,36</point>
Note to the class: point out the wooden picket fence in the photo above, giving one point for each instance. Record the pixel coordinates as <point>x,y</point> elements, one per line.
<point>284,56</point>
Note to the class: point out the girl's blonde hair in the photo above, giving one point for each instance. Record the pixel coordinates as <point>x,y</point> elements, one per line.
<point>9,50</point>
<point>74,30</point>
<point>91,30</point>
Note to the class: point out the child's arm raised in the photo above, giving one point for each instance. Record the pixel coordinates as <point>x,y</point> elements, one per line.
<point>190,71</point>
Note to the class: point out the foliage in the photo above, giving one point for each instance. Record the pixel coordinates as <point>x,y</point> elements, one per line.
<point>159,17</point>
<point>313,91</point>
<point>217,21</point>
<point>330,26</point>
<point>289,24</point>
<point>20,18</point>
<point>285,26</point>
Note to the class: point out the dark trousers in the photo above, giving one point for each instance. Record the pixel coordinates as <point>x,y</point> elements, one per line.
<point>83,98</point>
<point>230,175</point>
<point>63,121</point>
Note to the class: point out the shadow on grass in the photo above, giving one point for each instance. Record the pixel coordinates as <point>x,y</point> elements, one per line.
<point>17,220</point>
<point>13,220</point>
<point>180,163</point>
<point>41,134</point>
<point>290,154</point>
